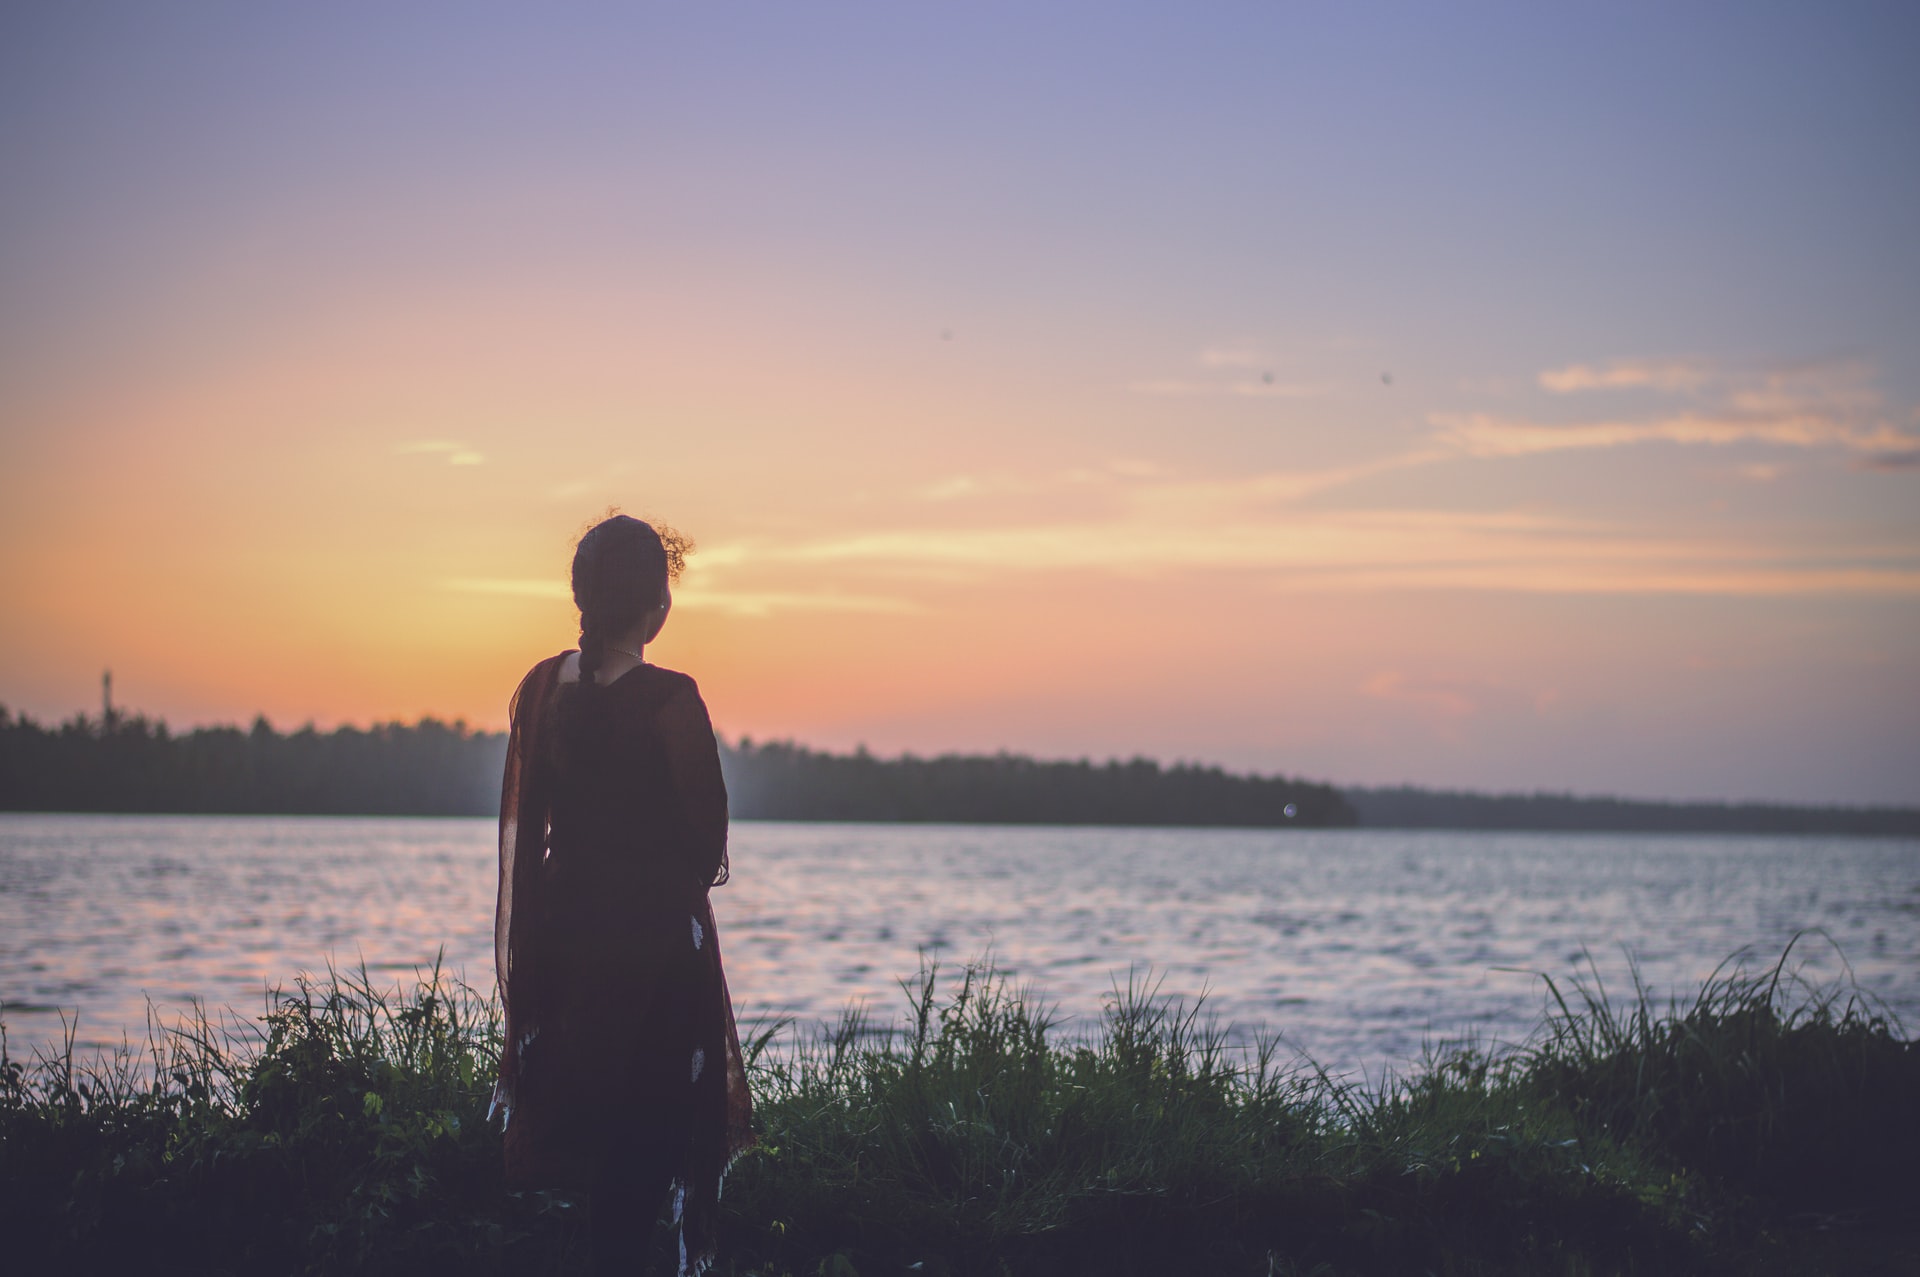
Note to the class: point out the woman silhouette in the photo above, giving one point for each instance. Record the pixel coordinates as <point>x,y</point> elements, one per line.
<point>621,1070</point>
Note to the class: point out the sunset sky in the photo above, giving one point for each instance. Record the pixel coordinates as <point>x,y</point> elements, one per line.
<point>1495,396</point>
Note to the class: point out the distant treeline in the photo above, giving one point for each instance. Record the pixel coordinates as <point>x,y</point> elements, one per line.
<point>1406,807</point>
<point>131,763</point>
<point>430,768</point>
<point>790,782</point>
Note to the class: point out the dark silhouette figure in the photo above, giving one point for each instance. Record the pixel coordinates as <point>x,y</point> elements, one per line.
<point>621,1070</point>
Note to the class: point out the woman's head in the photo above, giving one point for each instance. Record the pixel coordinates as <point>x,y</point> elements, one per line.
<point>620,573</point>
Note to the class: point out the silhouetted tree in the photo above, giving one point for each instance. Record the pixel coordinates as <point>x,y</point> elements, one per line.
<point>787,781</point>
<point>444,769</point>
<point>1407,807</point>
<point>431,768</point>
<point>135,764</point>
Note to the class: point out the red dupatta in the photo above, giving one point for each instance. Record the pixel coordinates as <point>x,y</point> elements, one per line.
<point>524,809</point>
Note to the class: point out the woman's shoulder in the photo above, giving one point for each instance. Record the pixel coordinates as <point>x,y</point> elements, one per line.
<point>664,684</point>
<point>655,694</point>
<point>670,701</point>
<point>540,676</point>
<point>534,684</point>
<point>543,671</point>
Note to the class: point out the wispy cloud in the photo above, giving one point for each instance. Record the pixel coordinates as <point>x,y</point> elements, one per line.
<point>1442,699</point>
<point>1155,520</point>
<point>1215,494</point>
<point>601,482</point>
<point>1904,460</point>
<point>951,489</point>
<point>522,587</point>
<point>1705,578</point>
<point>1122,470</point>
<point>734,602</point>
<point>1819,405</point>
<point>1483,436</point>
<point>1508,550</point>
<point>1276,528</point>
<point>768,602</point>
<point>962,487</point>
<point>1150,543</point>
<point>457,454</point>
<point>1629,374</point>
<point>1241,370</point>
<point>1845,387</point>
<point>1234,357</point>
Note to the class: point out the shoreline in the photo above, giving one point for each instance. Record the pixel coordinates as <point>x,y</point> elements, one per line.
<point>1901,832</point>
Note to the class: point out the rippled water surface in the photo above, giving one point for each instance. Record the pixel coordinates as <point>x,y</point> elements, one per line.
<point>1356,945</point>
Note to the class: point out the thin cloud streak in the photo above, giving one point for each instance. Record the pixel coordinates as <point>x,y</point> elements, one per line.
<point>1594,579</point>
<point>1372,550</point>
<point>732,602</point>
<point>1163,522</point>
<point>1392,685</point>
<point>1277,486</point>
<point>1819,404</point>
<point>761,603</point>
<point>1480,435</point>
<point>1234,357</point>
<point>457,454</point>
<point>1147,487</point>
<point>1890,461</point>
<point>1648,374</point>
<point>519,587</point>
<point>962,487</point>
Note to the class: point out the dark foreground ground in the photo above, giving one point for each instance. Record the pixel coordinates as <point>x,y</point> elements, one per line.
<point>1766,1127</point>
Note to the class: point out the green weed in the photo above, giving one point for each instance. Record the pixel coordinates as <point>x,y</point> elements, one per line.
<point>1765,1125</point>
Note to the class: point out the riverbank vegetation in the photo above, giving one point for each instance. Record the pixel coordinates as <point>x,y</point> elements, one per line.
<point>130,763</point>
<point>1764,1126</point>
<point>1410,807</point>
<point>790,782</point>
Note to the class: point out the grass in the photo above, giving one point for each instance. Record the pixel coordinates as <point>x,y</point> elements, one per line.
<point>1767,1125</point>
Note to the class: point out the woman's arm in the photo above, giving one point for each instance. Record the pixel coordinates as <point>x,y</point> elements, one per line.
<point>693,759</point>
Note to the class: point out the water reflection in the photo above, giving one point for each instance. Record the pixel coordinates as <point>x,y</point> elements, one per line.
<point>1358,946</point>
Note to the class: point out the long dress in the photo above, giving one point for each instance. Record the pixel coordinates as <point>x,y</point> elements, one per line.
<point>620,1038</point>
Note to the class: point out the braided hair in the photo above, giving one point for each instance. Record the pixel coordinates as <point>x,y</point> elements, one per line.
<point>620,572</point>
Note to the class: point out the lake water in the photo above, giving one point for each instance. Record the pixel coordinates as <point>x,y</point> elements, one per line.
<point>1357,946</point>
